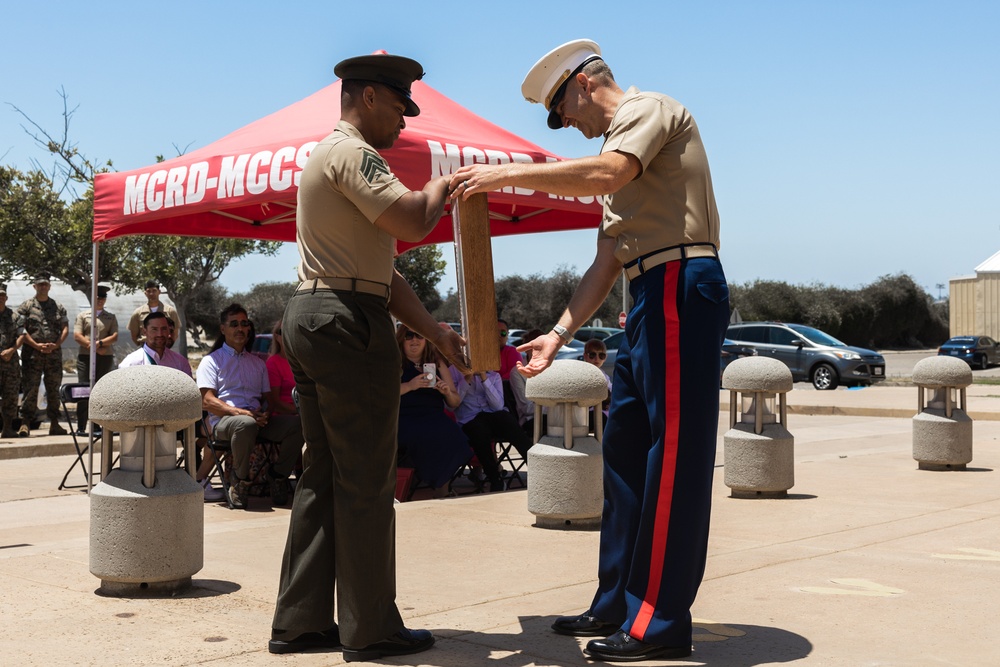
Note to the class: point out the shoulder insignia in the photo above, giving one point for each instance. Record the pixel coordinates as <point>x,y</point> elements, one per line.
<point>372,166</point>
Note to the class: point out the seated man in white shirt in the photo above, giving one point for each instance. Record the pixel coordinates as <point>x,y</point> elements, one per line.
<point>155,351</point>
<point>233,383</point>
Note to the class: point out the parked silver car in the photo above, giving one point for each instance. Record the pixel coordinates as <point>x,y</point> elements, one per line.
<point>810,354</point>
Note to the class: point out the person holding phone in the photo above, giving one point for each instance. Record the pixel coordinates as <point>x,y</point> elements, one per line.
<point>429,441</point>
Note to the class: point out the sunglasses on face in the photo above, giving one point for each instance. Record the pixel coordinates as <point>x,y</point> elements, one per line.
<point>239,323</point>
<point>596,355</point>
<point>410,335</point>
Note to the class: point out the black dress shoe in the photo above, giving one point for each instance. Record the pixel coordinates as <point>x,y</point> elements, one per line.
<point>622,647</point>
<point>583,625</point>
<point>308,641</point>
<point>403,642</point>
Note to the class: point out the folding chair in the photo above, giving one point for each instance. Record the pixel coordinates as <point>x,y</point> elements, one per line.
<point>222,455</point>
<point>70,394</point>
<point>404,483</point>
<point>509,455</point>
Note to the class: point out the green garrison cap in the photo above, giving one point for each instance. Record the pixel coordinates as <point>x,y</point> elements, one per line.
<point>396,72</point>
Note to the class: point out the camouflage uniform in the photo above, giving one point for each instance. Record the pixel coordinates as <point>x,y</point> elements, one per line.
<point>10,371</point>
<point>44,321</point>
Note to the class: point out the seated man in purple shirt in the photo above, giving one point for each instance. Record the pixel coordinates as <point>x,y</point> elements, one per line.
<point>233,383</point>
<point>485,421</point>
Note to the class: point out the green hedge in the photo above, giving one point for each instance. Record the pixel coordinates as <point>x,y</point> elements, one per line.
<point>892,312</point>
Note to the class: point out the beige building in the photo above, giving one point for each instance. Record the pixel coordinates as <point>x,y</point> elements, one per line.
<point>974,305</point>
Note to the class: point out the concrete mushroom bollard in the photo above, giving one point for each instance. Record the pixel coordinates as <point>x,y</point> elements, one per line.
<point>146,516</point>
<point>759,450</point>
<point>566,484</point>
<point>942,431</point>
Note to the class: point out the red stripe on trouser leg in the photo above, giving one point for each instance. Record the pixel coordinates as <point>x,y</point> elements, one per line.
<point>671,427</point>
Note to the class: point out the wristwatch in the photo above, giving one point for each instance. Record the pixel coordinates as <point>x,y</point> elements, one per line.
<point>564,335</point>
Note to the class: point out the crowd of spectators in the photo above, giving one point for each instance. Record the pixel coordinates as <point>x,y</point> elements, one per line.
<point>448,422</point>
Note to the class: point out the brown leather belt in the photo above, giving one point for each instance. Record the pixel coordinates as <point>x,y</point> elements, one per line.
<point>637,267</point>
<point>329,284</point>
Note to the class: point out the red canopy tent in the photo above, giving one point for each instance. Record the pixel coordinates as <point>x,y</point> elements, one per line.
<point>244,185</point>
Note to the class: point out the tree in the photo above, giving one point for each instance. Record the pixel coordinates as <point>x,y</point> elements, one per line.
<point>423,267</point>
<point>527,302</point>
<point>891,312</point>
<point>40,233</point>
<point>203,308</point>
<point>265,303</point>
<point>183,265</point>
<point>60,242</point>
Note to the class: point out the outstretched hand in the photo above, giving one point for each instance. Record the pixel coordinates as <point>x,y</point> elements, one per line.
<point>543,350</point>
<point>452,347</point>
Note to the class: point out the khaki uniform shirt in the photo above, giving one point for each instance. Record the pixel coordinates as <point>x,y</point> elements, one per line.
<point>43,321</point>
<point>139,314</point>
<point>345,187</point>
<point>672,200</point>
<point>107,324</point>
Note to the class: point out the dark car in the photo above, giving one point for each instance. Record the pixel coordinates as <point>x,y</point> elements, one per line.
<point>732,351</point>
<point>601,333</point>
<point>574,350</point>
<point>977,351</point>
<point>261,345</point>
<point>811,354</point>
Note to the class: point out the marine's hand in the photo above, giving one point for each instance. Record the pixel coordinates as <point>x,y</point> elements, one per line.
<point>475,178</point>
<point>543,351</point>
<point>451,345</point>
<point>7,354</point>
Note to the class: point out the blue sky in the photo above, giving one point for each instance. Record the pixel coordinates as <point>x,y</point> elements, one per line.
<point>848,140</point>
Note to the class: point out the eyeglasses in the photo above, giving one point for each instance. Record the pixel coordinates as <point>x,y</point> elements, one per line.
<point>595,355</point>
<point>503,334</point>
<point>239,323</point>
<point>410,335</point>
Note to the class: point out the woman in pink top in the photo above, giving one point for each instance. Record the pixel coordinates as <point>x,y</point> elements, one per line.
<point>509,356</point>
<point>279,376</point>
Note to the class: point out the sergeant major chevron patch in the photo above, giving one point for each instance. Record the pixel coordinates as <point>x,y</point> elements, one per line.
<point>372,165</point>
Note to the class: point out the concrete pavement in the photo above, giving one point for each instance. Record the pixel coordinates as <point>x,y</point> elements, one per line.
<point>869,561</point>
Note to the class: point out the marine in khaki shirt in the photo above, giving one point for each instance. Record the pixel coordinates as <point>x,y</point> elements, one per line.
<point>340,342</point>
<point>672,202</point>
<point>103,333</point>
<point>661,226</point>
<point>152,304</point>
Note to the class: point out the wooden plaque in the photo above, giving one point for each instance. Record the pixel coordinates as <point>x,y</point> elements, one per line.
<point>474,263</point>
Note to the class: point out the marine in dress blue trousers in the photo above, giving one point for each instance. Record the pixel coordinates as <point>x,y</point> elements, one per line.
<point>659,451</point>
